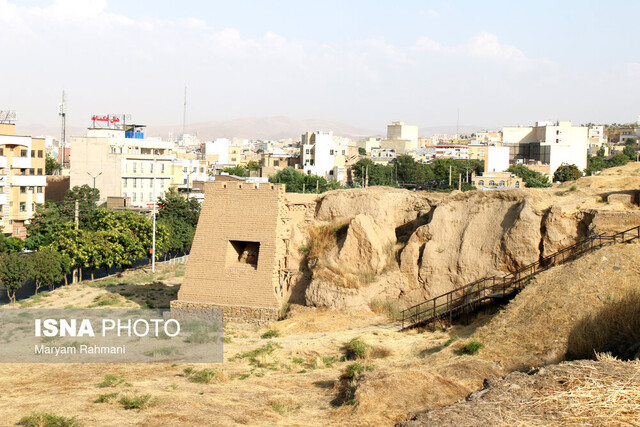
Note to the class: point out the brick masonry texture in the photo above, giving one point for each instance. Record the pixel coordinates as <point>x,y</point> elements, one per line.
<point>242,212</point>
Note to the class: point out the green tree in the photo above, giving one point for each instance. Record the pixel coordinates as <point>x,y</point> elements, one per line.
<point>236,170</point>
<point>11,245</point>
<point>362,151</point>
<point>407,170</point>
<point>619,159</point>
<point>566,172</point>
<point>51,165</point>
<point>378,174</point>
<point>179,216</point>
<point>47,268</point>
<point>291,177</point>
<point>46,222</point>
<point>253,165</point>
<point>531,178</point>
<point>15,269</point>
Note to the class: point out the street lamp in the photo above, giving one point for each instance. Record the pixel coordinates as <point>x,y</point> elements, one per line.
<point>153,238</point>
<point>93,195</point>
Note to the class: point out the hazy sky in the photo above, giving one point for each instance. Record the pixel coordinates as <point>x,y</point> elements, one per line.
<point>365,63</point>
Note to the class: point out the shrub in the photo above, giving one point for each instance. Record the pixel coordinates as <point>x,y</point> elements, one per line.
<point>42,419</point>
<point>450,341</point>
<point>203,376</point>
<point>389,308</point>
<point>356,349</point>
<point>349,382</point>
<point>615,329</point>
<point>573,188</point>
<point>139,402</point>
<point>471,348</point>
<point>106,398</point>
<point>272,333</point>
<point>111,380</point>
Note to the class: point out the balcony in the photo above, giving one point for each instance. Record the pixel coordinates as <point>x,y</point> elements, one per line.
<point>21,162</point>
<point>29,180</point>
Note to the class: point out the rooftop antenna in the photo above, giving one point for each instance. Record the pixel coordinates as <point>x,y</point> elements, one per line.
<point>184,113</point>
<point>62,112</point>
<point>458,126</point>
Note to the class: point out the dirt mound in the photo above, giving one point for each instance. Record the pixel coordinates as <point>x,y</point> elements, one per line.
<point>443,241</point>
<point>534,328</point>
<point>576,393</point>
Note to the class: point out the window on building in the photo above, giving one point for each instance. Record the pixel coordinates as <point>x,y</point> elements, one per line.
<point>23,171</point>
<point>243,253</point>
<point>125,195</point>
<point>40,190</point>
<point>134,196</point>
<point>161,167</point>
<point>331,172</point>
<point>557,140</point>
<point>184,169</point>
<point>135,183</point>
<point>331,152</point>
<point>39,171</point>
<point>134,167</point>
<point>151,195</point>
<point>32,171</point>
<point>23,153</point>
<point>1,151</point>
<point>517,184</point>
<point>40,154</point>
<point>23,190</point>
<point>307,151</point>
<point>151,167</point>
<point>124,182</point>
<point>492,183</point>
<point>557,132</point>
<point>195,169</point>
<point>23,206</point>
<point>501,183</point>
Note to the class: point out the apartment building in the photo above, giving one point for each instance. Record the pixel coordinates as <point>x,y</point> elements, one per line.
<point>547,145</point>
<point>452,151</point>
<point>124,164</point>
<point>400,137</point>
<point>321,155</point>
<point>22,179</point>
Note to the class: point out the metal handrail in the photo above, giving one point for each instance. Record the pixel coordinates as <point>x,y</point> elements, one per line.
<point>428,311</point>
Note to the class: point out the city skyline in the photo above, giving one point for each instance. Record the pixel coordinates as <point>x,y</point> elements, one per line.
<point>360,63</point>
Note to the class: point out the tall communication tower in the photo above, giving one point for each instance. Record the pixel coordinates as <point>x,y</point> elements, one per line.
<point>184,114</point>
<point>62,112</point>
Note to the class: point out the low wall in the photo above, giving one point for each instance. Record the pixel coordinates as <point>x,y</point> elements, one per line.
<point>232,314</point>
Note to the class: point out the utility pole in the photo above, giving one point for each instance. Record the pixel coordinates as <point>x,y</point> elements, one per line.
<point>74,274</point>
<point>93,194</point>
<point>460,182</point>
<point>303,188</point>
<point>62,112</point>
<point>366,181</point>
<point>77,220</point>
<point>153,238</point>
<point>317,185</point>
<point>450,166</point>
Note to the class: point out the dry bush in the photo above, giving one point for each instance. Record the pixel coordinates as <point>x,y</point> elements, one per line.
<point>387,307</point>
<point>380,352</point>
<point>322,238</point>
<point>615,329</point>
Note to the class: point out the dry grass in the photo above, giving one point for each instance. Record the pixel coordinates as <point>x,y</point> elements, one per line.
<point>615,329</point>
<point>591,398</point>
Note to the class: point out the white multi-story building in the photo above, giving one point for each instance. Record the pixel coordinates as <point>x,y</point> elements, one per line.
<point>321,155</point>
<point>547,144</point>
<point>452,151</point>
<point>123,163</point>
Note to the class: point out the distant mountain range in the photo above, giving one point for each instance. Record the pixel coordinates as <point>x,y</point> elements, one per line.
<point>275,128</point>
<point>262,128</point>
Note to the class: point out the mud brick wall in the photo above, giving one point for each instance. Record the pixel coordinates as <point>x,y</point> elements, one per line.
<point>235,212</point>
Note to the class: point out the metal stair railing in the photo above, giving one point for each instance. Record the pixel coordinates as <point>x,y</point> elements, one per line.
<point>453,302</point>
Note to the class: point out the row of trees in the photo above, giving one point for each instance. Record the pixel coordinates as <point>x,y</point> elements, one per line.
<point>45,267</point>
<point>298,182</point>
<point>101,238</point>
<point>404,169</point>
